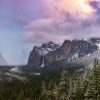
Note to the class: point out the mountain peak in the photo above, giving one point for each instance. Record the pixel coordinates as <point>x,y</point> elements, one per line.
<point>66,46</point>
<point>66,42</point>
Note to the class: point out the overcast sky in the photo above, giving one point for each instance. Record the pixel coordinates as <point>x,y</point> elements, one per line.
<point>25,23</point>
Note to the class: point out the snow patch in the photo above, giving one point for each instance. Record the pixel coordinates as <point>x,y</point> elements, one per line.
<point>36,74</point>
<point>85,39</point>
<point>98,44</point>
<point>88,55</point>
<point>43,52</point>
<point>75,55</point>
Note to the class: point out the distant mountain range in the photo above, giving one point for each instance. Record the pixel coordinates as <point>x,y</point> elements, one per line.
<point>80,52</point>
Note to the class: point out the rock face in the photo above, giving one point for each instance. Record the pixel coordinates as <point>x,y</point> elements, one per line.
<point>35,57</point>
<point>60,53</point>
<point>38,53</point>
<point>69,51</point>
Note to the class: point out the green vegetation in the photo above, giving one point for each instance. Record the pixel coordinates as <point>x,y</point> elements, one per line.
<point>79,85</point>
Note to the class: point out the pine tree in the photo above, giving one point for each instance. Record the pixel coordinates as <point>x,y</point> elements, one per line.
<point>56,91</point>
<point>78,87</point>
<point>44,92</point>
<point>51,90</point>
<point>93,89</point>
<point>20,95</point>
<point>43,88</point>
<point>64,86</point>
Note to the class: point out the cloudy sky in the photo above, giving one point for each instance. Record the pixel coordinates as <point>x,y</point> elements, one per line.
<point>24,23</point>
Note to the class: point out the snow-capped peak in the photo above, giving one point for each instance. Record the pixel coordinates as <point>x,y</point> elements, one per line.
<point>46,48</point>
<point>98,44</point>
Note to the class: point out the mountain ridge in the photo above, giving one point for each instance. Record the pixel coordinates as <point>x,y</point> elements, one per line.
<point>69,52</point>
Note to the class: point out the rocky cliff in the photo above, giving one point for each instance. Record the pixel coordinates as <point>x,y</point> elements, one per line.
<point>69,51</point>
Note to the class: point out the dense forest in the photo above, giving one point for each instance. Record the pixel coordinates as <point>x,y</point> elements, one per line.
<point>79,85</point>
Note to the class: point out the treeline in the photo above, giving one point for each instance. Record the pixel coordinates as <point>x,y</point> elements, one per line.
<point>19,90</point>
<point>80,85</point>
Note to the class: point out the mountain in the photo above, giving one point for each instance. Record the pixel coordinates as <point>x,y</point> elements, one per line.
<point>2,61</point>
<point>80,52</point>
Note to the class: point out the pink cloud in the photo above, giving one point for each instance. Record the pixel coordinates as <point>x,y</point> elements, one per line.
<point>63,20</point>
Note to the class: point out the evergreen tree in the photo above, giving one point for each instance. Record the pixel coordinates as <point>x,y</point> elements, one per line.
<point>64,86</point>
<point>93,89</point>
<point>51,90</point>
<point>44,91</point>
<point>20,95</point>
<point>77,89</point>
